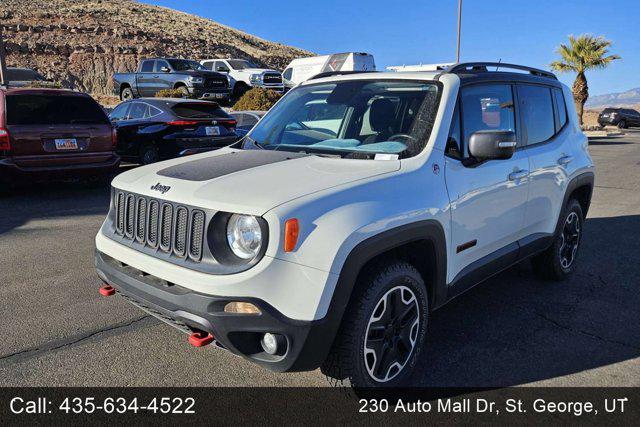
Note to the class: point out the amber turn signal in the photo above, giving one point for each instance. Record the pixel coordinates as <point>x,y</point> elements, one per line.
<point>291,230</point>
<point>241,308</point>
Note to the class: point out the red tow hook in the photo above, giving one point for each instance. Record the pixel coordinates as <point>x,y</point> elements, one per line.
<point>107,290</point>
<point>200,339</point>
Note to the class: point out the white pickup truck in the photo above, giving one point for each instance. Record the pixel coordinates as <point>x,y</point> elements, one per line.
<point>244,75</point>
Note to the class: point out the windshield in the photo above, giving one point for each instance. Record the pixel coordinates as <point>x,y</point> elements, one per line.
<point>356,118</point>
<point>185,65</point>
<point>241,64</point>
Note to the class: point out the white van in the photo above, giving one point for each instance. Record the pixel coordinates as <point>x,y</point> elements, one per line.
<point>421,67</point>
<point>302,69</point>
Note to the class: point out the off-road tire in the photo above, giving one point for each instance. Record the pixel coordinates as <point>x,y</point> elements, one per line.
<point>345,364</point>
<point>549,264</point>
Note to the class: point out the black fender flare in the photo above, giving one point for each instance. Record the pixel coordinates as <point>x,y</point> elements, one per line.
<point>585,179</point>
<point>323,332</point>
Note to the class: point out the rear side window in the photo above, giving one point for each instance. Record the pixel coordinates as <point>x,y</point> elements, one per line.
<point>199,111</point>
<point>53,110</point>
<point>487,107</point>
<point>561,109</point>
<point>120,112</point>
<point>147,67</point>
<point>536,106</point>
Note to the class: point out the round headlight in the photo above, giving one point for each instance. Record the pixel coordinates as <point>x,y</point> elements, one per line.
<point>244,236</point>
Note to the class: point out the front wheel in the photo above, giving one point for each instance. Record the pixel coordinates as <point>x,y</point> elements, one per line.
<point>383,331</point>
<point>126,94</point>
<point>558,261</point>
<point>622,124</point>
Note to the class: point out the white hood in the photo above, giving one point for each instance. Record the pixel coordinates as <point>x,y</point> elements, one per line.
<point>240,181</point>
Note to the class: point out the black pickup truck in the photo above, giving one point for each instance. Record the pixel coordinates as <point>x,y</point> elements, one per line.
<point>188,76</point>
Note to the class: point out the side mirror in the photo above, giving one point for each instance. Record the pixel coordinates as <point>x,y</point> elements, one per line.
<point>165,70</point>
<point>492,144</point>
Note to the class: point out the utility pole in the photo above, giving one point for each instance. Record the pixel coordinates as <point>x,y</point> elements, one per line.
<point>3,63</point>
<point>459,28</point>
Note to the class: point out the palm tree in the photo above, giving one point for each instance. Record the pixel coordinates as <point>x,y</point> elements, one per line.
<point>583,53</point>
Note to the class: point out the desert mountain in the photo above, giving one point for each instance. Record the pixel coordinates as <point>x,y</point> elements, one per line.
<point>620,99</point>
<point>81,43</point>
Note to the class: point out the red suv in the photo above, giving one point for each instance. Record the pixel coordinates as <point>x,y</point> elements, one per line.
<point>54,133</point>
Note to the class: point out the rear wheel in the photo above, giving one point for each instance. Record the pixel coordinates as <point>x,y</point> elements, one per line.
<point>148,155</point>
<point>558,261</point>
<point>383,331</point>
<point>126,94</point>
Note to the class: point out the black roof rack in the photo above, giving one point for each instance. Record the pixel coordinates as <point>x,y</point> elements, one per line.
<point>338,73</point>
<point>482,67</point>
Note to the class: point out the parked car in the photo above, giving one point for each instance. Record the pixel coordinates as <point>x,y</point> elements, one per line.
<point>153,129</point>
<point>187,76</point>
<point>302,69</point>
<point>621,117</point>
<point>245,74</point>
<point>246,120</point>
<point>352,210</point>
<point>19,77</point>
<point>54,133</point>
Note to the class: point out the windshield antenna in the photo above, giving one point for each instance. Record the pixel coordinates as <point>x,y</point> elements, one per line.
<point>498,66</point>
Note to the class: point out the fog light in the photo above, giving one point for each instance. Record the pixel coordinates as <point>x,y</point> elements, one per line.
<point>273,343</point>
<point>241,308</point>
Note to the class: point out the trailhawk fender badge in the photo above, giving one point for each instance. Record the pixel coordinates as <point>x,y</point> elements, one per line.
<point>161,188</point>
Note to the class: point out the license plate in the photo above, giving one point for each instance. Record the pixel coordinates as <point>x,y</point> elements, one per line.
<point>212,130</point>
<point>219,95</point>
<point>66,144</point>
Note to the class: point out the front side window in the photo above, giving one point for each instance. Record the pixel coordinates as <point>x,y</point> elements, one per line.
<point>221,66</point>
<point>361,117</point>
<point>537,112</point>
<point>487,107</point>
<point>147,67</point>
<point>160,65</point>
<point>287,74</point>
<point>454,142</point>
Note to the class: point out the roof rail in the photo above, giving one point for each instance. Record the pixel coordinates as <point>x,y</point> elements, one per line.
<point>337,73</point>
<point>482,67</point>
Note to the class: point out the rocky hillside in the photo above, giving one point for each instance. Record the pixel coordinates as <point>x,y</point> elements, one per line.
<point>81,43</point>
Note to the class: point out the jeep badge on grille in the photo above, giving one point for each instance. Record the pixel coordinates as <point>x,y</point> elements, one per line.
<point>161,188</point>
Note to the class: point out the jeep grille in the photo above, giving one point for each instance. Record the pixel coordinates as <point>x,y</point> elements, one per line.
<point>173,228</point>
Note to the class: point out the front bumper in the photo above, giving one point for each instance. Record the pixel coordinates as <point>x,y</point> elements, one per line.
<point>308,342</point>
<point>278,88</point>
<point>210,94</point>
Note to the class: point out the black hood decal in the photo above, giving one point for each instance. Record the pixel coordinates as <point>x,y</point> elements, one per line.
<point>225,164</point>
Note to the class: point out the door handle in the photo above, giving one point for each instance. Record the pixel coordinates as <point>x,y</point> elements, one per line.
<point>514,176</point>
<point>565,160</point>
<point>155,77</point>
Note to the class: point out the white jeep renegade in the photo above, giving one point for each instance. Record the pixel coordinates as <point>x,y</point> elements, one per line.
<point>355,207</point>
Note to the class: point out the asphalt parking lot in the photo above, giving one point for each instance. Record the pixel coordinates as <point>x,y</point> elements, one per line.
<point>512,330</point>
